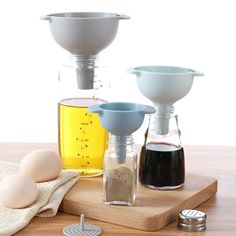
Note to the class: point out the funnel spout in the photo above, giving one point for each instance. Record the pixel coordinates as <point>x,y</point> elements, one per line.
<point>120,145</point>
<point>162,115</point>
<point>85,71</point>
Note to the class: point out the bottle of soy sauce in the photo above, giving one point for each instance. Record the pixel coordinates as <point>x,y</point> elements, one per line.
<point>162,157</point>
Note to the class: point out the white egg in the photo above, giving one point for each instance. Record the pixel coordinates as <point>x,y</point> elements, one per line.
<point>18,191</point>
<point>41,165</point>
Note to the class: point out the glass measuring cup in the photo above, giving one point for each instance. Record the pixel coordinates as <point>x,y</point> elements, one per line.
<point>82,140</point>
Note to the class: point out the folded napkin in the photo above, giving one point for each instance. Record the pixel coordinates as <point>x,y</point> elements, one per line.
<point>50,196</point>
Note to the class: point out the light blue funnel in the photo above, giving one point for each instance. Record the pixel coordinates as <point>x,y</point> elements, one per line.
<point>121,119</point>
<point>164,85</point>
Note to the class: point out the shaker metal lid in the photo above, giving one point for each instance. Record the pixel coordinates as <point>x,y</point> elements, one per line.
<point>192,220</point>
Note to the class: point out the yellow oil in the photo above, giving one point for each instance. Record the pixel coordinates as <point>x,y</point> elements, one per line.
<point>82,140</point>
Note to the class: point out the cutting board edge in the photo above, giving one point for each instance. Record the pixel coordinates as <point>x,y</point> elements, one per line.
<point>73,209</point>
<point>208,191</point>
<point>146,224</point>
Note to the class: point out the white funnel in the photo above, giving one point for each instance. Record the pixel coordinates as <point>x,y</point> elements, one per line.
<point>164,85</point>
<point>84,35</point>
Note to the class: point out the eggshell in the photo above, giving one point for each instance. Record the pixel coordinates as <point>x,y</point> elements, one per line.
<point>41,165</point>
<point>18,191</point>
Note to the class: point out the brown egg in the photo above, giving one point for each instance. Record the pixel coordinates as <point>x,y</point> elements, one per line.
<point>41,165</point>
<point>18,191</point>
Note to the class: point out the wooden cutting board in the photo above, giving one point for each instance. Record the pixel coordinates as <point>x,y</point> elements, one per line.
<point>153,209</point>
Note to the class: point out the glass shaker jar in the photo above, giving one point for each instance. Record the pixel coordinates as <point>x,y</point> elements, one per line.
<point>82,140</point>
<point>120,171</point>
<point>162,157</point>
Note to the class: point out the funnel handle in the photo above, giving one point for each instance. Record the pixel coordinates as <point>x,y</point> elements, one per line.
<point>198,73</point>
<point>132,70</point>
<point>95,109</point>
<point>148,109</point>
<point>45,17</point>
<point>123,17</point>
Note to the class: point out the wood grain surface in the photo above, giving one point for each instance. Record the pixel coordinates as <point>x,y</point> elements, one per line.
<point>219,162</point>
<point>152,210</point>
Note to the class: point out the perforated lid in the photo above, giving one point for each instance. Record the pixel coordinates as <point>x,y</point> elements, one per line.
<point>192,221</point>
<point>82,229</point>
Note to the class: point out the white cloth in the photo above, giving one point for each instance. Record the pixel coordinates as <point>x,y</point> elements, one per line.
<point>50,196</point>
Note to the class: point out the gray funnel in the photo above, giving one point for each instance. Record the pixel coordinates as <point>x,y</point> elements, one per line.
<point>84,35</point>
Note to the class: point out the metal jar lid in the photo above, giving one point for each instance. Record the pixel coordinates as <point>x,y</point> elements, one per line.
<point>192,221</point>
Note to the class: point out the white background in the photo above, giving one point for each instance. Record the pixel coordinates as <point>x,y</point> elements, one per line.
<point>200,34</point>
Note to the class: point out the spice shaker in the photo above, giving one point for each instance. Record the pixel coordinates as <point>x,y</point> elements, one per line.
<point>192,220</point>
<point>120,171</point>
<point>120,164</point>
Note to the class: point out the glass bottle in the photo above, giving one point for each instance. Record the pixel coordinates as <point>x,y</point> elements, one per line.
<point>120,171</point>
<point>82,140</point>
<point>162,157</point>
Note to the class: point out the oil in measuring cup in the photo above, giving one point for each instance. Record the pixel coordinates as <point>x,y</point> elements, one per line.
<point>82,140</point>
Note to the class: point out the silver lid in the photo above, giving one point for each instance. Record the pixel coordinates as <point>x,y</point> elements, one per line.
<point>192,220</point>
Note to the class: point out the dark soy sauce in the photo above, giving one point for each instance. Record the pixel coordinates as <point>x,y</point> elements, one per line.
<point>161,166</point>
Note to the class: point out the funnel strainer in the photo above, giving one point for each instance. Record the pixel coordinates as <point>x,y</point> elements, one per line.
<point>82,229</point>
